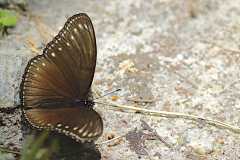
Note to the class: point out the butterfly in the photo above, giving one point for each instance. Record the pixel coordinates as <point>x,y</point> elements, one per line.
<point>56,84</point>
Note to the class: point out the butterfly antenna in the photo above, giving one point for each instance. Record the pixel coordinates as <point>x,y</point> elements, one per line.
<point>108,93</point>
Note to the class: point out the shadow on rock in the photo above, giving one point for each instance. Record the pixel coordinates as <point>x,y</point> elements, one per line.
<point>68,149</point>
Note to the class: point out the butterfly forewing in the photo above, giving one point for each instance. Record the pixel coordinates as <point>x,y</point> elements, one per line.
<point>66,68</point>
<point>60,76</point>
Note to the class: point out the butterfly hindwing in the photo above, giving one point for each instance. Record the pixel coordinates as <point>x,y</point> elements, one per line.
<point>79,123</point>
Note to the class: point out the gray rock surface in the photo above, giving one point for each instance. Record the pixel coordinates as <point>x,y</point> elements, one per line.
<point>184,55</point>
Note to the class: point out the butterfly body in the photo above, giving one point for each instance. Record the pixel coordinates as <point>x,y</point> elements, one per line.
<point>56,84</point>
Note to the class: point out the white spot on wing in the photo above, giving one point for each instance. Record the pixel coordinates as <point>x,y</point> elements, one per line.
<point>90,134</point>
<point>81,130</point>
<point>95,134</point>
<point>80,26</point>
<point>85,26</point>
<point>53,54</point>
<point>75,128</point>
<point>85,133</point>
<point>91,124</point>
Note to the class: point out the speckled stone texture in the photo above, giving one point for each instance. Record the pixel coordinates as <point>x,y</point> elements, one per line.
<point>183,55</point>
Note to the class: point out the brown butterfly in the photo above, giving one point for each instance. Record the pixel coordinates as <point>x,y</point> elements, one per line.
<point>56,84</point>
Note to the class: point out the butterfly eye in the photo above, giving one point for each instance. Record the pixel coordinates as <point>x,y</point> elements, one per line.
<point>55,85</point>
